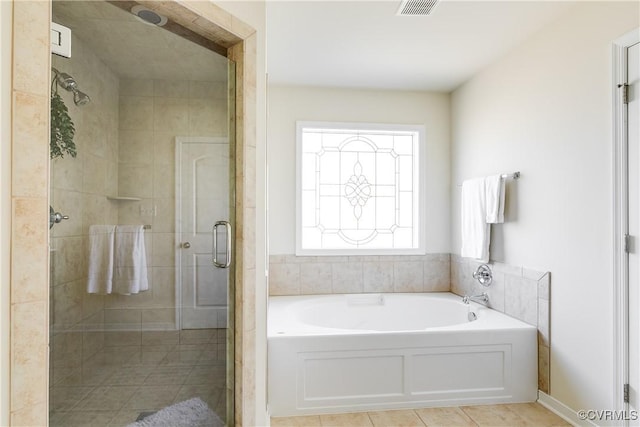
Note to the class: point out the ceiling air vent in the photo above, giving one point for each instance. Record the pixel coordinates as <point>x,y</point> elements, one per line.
<point>416,7</point>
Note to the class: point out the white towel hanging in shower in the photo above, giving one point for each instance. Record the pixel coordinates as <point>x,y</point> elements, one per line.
<point>130,260</point>
<point>101,247</point>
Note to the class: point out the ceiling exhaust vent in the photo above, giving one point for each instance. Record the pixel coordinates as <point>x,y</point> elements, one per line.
<point>416,7</point>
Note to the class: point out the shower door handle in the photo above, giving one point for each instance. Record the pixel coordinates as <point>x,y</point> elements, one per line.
<point>227,261</point>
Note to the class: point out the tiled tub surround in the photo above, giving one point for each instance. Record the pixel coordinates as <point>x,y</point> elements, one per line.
<point>519,292</point>
<point>309,275</point>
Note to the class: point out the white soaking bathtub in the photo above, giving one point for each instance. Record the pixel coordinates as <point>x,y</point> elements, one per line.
<point>343,353</point>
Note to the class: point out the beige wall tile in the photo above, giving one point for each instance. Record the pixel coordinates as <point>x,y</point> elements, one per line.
<point>164,221</point>
<point>67,173</point>
<point>68,203</point>
<point>95,174</point>
<point>164,317</point>
<point>284,279</point>
<point>315,278</point>
<point>171,114</point>
<point>33,415</point>
<point>66,304</point>
<point>544,379</point>
<point>29,250</point>
<point>170,88</point>
<point>378,276</point>
<point>347,278</point>
<point>521,299</point>
<point>164,185</point>
<point>408,276</point>
<point>29,354</point>
<point>136,146</point>
<point>208,117</point>
<point>136,87</point>
<point>136,113</point>
<point>29,157</point>
<point>31,54</point>
<point>68,260</point>
<point>543,321</point>
<point>164,247</point>
<point>122,319</point>
<point>436,276</point>
<point>208,90</point>
<point>135,180</point>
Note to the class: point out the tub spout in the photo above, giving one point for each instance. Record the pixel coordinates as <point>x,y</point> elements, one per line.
<point>483,298</point>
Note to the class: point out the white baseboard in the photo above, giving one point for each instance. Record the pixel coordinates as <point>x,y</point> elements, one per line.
<point>562,410</point>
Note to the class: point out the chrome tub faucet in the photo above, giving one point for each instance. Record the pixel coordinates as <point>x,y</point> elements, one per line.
<point>483,298</point>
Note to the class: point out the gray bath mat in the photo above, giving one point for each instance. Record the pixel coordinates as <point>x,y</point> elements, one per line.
<point>190,413</point>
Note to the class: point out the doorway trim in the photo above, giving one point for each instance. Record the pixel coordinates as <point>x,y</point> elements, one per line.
<point>620,217</point>
<point>29,265</point>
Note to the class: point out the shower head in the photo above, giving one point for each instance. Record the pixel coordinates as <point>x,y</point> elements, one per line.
<point>80,98</point>
<point>66,82</point>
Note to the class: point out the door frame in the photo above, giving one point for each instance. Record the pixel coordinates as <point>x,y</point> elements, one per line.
<point>620,218</point>
<point>179,141</point>
<point>29,264</point>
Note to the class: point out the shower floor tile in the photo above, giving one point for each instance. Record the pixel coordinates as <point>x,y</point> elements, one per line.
<point>112,387</point>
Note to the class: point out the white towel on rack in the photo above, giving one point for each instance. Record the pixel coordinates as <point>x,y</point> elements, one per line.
<point>130,261</point>
<point>101,247</point>
<point>494,195</point>
<point>475,230</point>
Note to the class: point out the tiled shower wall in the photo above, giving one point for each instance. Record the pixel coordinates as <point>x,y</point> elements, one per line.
<point>519,292</point>
<point>152,114</point>
<point>78,189</point>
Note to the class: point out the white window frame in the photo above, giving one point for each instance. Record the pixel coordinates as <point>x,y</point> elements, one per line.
<point>421,161</point>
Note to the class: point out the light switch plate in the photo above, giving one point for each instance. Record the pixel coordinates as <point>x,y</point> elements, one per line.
<point>60,40</point>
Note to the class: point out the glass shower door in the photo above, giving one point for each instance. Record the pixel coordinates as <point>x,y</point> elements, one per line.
<point>141,320</point>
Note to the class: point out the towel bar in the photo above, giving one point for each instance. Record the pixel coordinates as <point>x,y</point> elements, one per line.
<point>515,175</point>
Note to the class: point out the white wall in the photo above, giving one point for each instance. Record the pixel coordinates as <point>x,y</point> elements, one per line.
<point>545,110</point>
<point>5,202</point>
<point>287,104</point>
<point>253,13</point>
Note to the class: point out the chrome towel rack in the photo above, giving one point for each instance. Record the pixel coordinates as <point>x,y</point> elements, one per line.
<point>514,175</point>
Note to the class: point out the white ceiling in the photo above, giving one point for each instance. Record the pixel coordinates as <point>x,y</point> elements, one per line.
<point>134,49</point>
<point>363,44</point>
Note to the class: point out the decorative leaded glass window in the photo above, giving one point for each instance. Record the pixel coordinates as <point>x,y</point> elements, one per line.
<point>359,188</point>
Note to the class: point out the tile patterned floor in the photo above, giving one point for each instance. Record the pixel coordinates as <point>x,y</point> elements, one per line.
<point>508,415</point>
<point>115,386</point>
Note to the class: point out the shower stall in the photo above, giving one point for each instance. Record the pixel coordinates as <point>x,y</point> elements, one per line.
<point>142,207</point>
